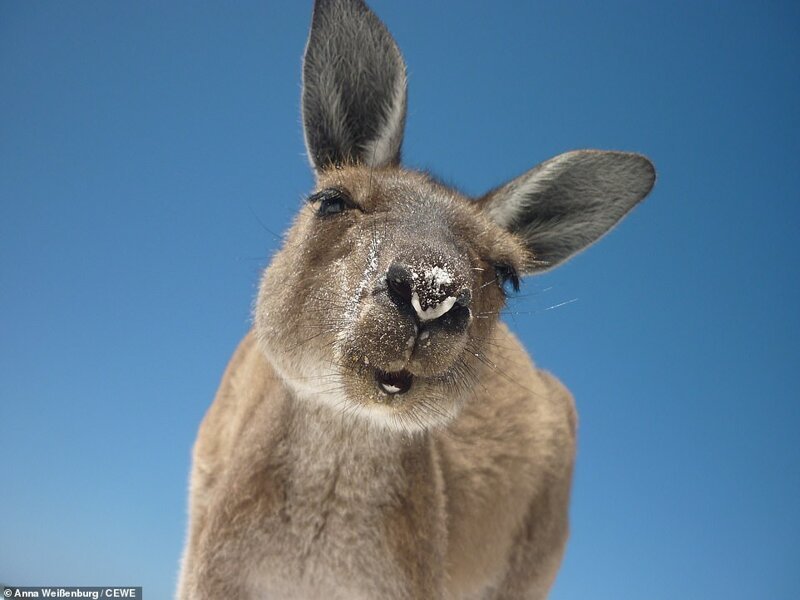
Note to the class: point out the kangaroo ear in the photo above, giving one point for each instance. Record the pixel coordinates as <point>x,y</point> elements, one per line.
<point>354,88</point>
<point>568,202</point>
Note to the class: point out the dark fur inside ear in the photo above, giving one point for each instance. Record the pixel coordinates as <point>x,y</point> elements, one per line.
<point>568,202</point>
<point>354,87</point>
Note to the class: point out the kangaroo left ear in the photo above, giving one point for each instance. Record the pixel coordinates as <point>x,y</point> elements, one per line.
<point>354,88</point>
<point>568,202</point>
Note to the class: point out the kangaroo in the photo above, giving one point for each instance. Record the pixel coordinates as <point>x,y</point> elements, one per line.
<point>380,433</point>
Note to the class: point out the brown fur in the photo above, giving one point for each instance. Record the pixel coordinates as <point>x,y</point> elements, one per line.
<point>477,507</point>
<point>380,433</point>
<point>314,496</point>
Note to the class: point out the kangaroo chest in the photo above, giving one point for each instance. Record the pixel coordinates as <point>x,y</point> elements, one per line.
<point>339,525</point>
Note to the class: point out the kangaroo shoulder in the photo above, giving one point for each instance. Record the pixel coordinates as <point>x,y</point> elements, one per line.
<point>249,388</point>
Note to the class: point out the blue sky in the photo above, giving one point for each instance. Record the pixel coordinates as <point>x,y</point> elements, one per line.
<point>148,150</point>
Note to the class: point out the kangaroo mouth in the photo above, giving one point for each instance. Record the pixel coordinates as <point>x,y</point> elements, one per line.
<point>398,382</point>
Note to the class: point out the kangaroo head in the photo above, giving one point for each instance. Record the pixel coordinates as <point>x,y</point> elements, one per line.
<point>389,283</point>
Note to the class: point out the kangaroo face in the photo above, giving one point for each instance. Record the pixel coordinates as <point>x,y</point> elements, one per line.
<point>401,282</point>
<point>384,295</point>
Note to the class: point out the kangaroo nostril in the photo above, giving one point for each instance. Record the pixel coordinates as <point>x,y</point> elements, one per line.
<point>464,298</point>
<point>431,292</point>
<point>398,280</point>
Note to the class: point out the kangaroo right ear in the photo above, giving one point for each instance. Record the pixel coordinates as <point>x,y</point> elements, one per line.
<point>354,88</point>
<point>568,202</point>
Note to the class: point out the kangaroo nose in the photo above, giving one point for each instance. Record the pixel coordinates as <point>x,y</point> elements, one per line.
<point>431,291</point>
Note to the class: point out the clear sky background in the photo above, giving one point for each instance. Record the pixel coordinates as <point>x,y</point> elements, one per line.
<point>148,150</point>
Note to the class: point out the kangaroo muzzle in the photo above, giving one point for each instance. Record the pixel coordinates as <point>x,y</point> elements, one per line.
<point>432,291</point>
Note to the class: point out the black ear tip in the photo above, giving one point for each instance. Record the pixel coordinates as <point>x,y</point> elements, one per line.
<point>344,7</point>
<point>640,171</point>
<point>648,172</point>
<point>644,163</point>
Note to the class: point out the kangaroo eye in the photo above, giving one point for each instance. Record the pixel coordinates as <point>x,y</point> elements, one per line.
<point>331,201</point>
<point>506,276</point>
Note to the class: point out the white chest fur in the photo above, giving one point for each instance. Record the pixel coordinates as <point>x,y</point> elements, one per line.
<point>343,489</point>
